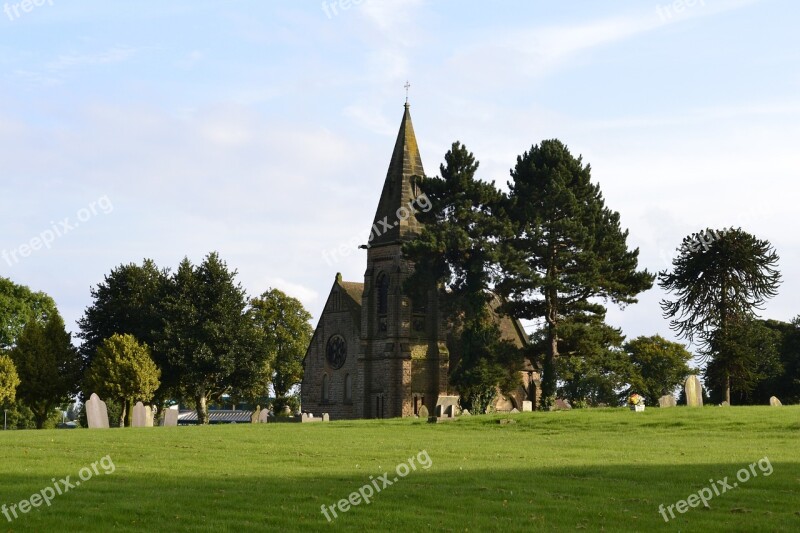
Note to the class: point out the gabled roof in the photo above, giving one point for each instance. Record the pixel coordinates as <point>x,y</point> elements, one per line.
<point>398,189</point>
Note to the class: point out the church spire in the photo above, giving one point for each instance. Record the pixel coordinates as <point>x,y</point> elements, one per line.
<point>394,219</point>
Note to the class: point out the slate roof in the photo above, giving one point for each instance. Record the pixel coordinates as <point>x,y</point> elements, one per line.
<point>217,417</point>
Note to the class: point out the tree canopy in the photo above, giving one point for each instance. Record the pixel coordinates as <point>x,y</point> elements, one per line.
<point>283,324</point>
<point>122,369</point>
<point>9,380</point>
<point>719,280</point>
<point>18,306</point>
<point>48,365</point>
<point>569,253</point>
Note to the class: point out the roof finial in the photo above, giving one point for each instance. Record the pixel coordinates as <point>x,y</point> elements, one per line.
<point>407,86</point>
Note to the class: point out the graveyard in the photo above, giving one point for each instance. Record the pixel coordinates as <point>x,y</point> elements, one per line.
<point>591,469</point>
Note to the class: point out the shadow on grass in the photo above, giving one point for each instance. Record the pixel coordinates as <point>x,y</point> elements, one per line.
<point>242,498</point>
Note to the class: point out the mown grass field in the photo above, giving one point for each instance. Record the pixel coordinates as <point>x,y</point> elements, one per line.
<point>561,471</point>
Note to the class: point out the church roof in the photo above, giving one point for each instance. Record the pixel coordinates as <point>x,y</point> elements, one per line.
<point>393,224</point>
<point>354,290</point>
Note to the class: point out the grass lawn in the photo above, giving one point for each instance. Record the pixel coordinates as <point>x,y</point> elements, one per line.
<point>604,469</point>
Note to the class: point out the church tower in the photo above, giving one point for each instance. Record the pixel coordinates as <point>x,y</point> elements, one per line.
<point>403,360</point>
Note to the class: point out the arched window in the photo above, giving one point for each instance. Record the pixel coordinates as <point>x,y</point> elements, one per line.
<point>325,388</point>
<point>348,388</point>
<point>383,293</point>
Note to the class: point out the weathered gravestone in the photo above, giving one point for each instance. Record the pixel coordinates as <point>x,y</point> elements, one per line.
<point>515,410</point>
<point>562,404</point>
<point>725,404</point>
<point>466,412</point>
<point>423,412</point>
<point>263,416</point>
<point>171,417</point>
<point>326,417</point>
<point>96,413</point>
<point>142,416</point>
<point>254,415</point>
<point>694,392</point>
<point>527,405</point>
<point>775,402</point>
<point>668,400</point>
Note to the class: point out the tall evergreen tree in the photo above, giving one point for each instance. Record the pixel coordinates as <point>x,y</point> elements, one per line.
<point>283,324</point>
<point>457,251</point>
<point>569,253</point>
<point>49,367</point>
<point>209,338</point>
<point>130,301</point>
<point>719,280</point>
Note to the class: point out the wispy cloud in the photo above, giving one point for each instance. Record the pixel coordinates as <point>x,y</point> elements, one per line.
<point>111,56</point>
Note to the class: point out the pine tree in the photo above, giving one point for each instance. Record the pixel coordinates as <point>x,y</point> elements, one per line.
<point>569,251</point>
<point>457,252</point>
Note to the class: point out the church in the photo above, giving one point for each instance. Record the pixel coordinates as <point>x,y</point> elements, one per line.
<point>375,353</point>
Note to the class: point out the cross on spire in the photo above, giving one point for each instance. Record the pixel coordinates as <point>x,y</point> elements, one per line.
<point>407,86</point>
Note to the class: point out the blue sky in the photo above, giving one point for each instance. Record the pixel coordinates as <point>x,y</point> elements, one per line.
<point>263,129</point>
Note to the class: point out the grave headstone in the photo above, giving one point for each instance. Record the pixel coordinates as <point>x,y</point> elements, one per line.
<point>423,412</point>
<point>668,400</point>
<point>142,416</point>
<point>562,404</point>
<point>466,412</point>
<point>263,416</point>
<point>775,402</point>
<point>326,417</point>
<point>515,410</point>
<point>171,417</point>
<point>527,406</point>
<point>694,392</point>
<point>96,413</point>
<point>725,404</point>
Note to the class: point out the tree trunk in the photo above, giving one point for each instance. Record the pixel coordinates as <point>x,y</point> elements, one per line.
<point>123,414</point>
<point>728,388</point>
<point>201,405</point>
<point>548,396</point>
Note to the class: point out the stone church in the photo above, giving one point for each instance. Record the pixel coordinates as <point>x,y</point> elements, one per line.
<point>376,353</point>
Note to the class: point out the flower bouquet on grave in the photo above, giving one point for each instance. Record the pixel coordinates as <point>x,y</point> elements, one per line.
<point>636,402</point>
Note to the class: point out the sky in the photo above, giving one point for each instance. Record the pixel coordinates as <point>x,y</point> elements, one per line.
<point>263,129</point>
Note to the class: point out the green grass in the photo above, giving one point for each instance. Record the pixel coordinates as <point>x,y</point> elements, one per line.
<point>584,469</point>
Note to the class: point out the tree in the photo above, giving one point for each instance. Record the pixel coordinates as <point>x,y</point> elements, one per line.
<point>130,300</point>
<point>9,380</point>
<point>658,366</point>
<point>718,287</point>
<point>457,251</point>
<point>122,369</point>
<point>18,306</point>
<point>748,353</point>
<point>591,367</point>
<point>209,338</point>
<point>49,367</point>
<point>569,252</point>
<point>283,324</point>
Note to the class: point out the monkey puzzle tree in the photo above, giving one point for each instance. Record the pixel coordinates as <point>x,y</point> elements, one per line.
<point>718,287</point>
<point>569,252</point>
